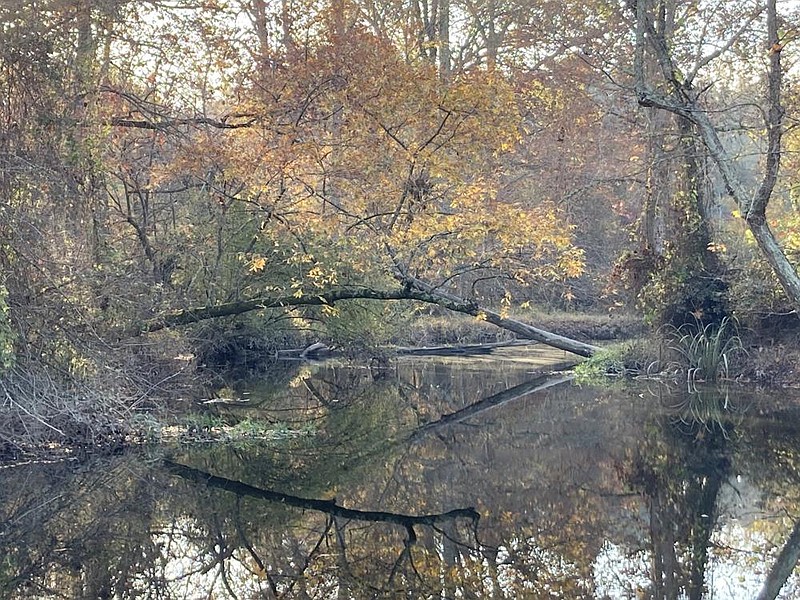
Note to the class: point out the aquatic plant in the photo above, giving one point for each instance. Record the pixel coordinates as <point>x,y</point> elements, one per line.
<point>706,351</point>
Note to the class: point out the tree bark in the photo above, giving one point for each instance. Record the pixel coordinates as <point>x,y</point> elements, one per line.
<point>444,40</point>
<point>230,309</point>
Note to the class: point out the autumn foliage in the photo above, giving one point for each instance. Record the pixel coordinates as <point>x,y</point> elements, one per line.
<point>167,157</point>
<point>359,166</point>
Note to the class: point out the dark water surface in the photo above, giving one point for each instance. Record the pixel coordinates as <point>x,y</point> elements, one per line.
<point>429,479</point>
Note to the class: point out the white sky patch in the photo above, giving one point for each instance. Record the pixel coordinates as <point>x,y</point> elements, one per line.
<point>737,568</point>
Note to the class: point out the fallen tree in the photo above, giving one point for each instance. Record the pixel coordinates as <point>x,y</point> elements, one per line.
<point>411,290</point>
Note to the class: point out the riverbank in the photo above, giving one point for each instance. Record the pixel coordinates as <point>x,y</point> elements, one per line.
<point>436,330</point>
<point>63,419</point>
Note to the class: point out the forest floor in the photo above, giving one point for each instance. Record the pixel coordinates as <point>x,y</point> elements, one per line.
<point>770,361</point>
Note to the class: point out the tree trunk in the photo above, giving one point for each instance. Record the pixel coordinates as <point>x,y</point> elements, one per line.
<point>444,39</point>
<point>682,101</point>
<point>652,221</point>
<point>456,304</point>
<point>259,15</point>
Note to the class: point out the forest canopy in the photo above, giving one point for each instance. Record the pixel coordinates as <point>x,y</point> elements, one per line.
<point>167,158</point>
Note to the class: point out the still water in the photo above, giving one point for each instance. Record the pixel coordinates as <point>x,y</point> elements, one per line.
<point>426,479</point>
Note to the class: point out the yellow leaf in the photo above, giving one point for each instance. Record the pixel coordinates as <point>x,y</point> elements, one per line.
<point>257,264</point>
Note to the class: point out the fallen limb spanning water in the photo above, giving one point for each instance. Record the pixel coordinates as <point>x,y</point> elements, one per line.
<point>413,290</point>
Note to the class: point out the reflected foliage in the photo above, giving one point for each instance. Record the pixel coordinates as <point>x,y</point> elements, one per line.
<point>582,493</point>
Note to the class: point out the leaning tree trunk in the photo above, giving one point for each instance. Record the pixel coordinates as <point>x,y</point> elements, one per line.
<point>434,296</point>
<point>784,566</point>
<point>414,290</point>
<point>683,101</point>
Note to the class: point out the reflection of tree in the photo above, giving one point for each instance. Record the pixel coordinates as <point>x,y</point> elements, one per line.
<point>783,567</point>
<point>682,483</point>
<point>447,560</point>
<point>776,470</point>
<point>337,420</point>
<point>508,395</point>
<point>680,469</point>
<point>338,519</point>
<point>325,506</point>
<point>550,469</point>
<point>77,533</point>
<point>529,454</point>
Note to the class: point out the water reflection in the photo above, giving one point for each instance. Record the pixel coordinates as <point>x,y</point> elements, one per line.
<point>431,480</point>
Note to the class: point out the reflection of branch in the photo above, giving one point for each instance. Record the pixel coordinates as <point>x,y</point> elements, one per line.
<point>342,562</point>
<point>445,535</point>
<point>307,559</point>
<point>405,554</point>
<point>314,393</point>
<point>783,567</point>
<point>326,506</point>
<point>513,393</point>
<point>262,569</point>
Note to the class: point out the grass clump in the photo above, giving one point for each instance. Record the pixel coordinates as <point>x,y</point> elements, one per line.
<point>702,353</point>
<point>637,357</point>
<point>706,351</point>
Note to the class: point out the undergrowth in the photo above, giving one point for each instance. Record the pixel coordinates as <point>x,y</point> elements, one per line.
<point>706,352</point>
<point>615,361</point>
<point>694,352</point>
